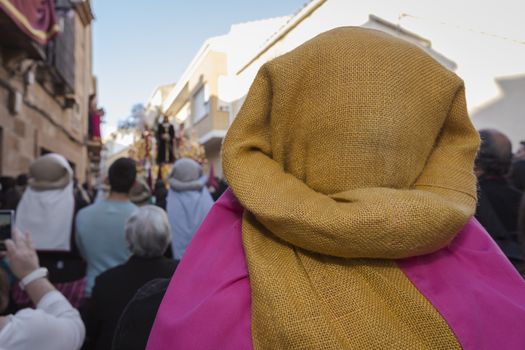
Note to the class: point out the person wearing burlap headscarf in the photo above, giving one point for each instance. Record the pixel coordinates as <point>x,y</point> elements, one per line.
<point>46,212</point>
<point>47,207</point>
<point>350,152</point>
<point>140,193</point>
<point>187,203</point>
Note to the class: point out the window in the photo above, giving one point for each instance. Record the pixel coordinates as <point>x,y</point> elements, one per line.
<point>61,54</point>
<point>200,104</point>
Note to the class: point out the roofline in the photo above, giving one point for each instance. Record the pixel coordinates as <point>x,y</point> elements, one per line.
<point>504,78</point>
<point>156,89</point>
<point>212,134</point>
<point>304,13</point>
<point>205,48</point>
<point>84,10</point>
<point>426,42</point>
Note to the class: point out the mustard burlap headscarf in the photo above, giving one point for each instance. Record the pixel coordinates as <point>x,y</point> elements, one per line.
<point>350,151</point>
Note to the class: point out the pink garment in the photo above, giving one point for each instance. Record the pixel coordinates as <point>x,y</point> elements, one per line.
<point>212,181</point>
<point>96,119</point>
<point>475,288</point>
<point>207,305</point>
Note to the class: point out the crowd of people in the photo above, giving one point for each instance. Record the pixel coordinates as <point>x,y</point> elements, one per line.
<point>99,254</point>
<point>351,231</point>
<point>501,203</point>
<point>94,252</point>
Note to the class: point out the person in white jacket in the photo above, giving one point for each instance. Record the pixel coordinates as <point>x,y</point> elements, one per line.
<point>54,324</point>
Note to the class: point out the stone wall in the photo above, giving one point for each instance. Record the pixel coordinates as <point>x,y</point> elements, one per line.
<point>43,123</point>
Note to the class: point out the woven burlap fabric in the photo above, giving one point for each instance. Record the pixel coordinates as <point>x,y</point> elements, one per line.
<point>350,151</point>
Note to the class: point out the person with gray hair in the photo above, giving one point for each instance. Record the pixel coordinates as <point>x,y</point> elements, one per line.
<point>148,234</point>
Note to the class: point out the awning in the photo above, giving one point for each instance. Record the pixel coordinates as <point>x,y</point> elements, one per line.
<point>36,18</point>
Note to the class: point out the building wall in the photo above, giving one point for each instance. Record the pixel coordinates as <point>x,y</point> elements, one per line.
<point>42,124</point>
<point>212,67</point>
<point>206,73</point>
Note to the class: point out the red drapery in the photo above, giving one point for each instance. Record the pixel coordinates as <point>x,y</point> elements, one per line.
<point>36,18</point>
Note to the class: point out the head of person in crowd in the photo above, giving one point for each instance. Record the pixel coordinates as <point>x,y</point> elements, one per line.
<point>148,232</point>
<point>49,172</point>
<point>495,154</point>
<point>187,175</point>
<point>140,193</point>
<point>122,175</point>
<point>47,206</point>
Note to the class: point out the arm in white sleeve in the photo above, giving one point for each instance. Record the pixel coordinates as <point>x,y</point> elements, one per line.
<point>66,317</point>
<point>53,325</point>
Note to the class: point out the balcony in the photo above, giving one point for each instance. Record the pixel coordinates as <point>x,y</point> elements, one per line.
<point>16,43</point>
<point>26,27</point>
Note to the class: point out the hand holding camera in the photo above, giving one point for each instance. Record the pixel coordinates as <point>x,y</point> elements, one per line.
<point>21,255</point>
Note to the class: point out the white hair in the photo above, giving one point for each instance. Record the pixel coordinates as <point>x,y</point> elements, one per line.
<point>148,232</point>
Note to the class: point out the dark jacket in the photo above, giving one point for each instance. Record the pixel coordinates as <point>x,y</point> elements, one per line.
<point>505,200</point>
<point>497,211</point>
<point>517,175</point>
<point>160,193</point>
<point>137,319</point>
<point>112,292</point>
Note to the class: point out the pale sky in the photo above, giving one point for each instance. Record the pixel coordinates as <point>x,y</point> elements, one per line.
<point>139,45</point>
